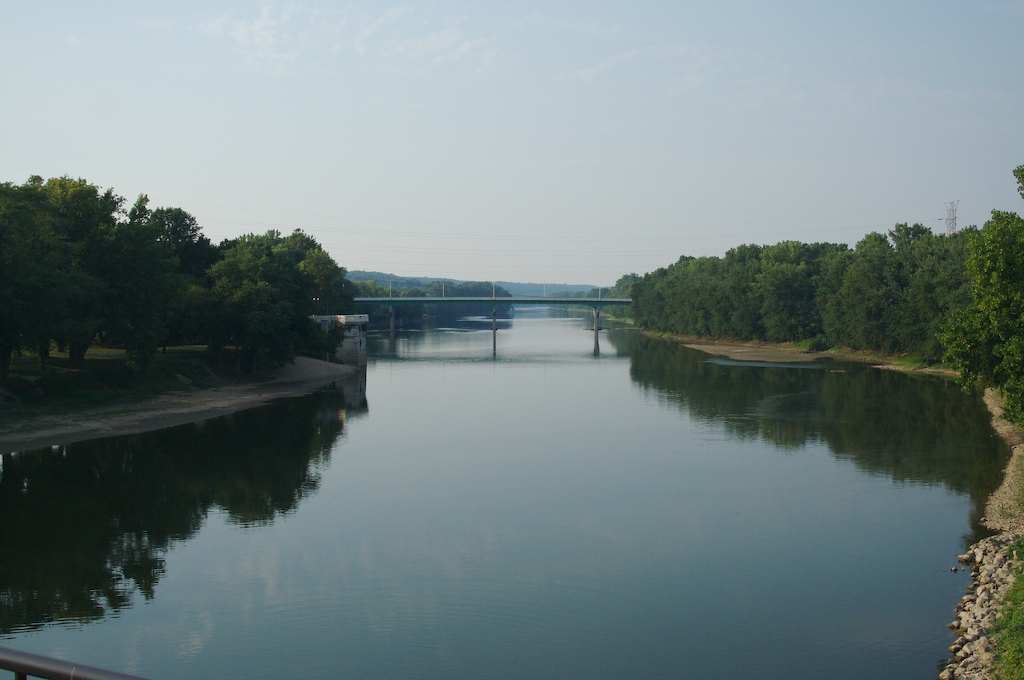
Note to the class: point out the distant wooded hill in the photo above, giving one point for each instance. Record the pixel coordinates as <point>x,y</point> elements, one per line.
<point>525,289</point>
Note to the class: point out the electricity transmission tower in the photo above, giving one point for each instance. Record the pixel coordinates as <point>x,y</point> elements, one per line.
<point>951,217</point>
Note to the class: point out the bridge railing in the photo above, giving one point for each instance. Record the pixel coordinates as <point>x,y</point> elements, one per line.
<point>25,665</point>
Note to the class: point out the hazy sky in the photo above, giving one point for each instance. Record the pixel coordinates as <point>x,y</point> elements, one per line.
<point>545,142</point>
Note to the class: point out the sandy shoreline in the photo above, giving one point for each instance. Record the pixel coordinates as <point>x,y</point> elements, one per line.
<point>303,376</point>
<point>1003,510</point>
<point>762,353</point>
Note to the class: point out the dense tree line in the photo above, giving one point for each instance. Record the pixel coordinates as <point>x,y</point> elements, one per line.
<point>77,268</point>
<point>956,297</point>
<point>890,293</point>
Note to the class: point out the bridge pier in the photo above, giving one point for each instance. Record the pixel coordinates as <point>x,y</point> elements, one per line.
<point>597,327</point>
<point>392,335</point>
<point>350,332</point>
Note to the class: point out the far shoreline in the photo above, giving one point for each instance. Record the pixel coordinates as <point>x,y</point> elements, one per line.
<point>789,353</point>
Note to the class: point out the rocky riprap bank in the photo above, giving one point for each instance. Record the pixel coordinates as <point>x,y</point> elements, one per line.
<point>992,573</point>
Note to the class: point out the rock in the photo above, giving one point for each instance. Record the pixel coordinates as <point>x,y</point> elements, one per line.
<point>991,575</point>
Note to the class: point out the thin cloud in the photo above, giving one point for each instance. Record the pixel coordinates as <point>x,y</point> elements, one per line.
<point>282,36</point>
<point>690,67</point>
<point>372,26</point>
<point>589,74</point>
<point>263,39</point>
<point>446,45</point>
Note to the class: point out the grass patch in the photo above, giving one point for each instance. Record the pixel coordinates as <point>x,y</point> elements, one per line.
<point>911,361</point>
<point>1008,631</point>
<point>817,344</point>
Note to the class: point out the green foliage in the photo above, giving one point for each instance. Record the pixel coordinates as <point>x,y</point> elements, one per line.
<point>144,280</point>
<point>890,294</point>
<point>31,274</point>
<point>260,296</point>
<point>180,231</point>
<point>1008,630</point>
<point>331,291</point>
<point>265,289</point>
<point>85,218</point>
<point>623,288</point>
<point>74,268</point>
<point>109,380</point>
<point>985,341</point>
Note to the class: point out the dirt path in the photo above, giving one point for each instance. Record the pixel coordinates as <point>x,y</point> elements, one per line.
<point>173,408</point>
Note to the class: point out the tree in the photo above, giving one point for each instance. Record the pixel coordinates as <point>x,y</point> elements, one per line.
<point>787,288</point>
<point>142,280</point>
<point>85,219</point>
<point>188,313</point>
<point>263,301</point>
<point>327,279</point>
<point>181,232</point>
<point>985,340</point>
<point>858,312</point>
<point>32,279</point>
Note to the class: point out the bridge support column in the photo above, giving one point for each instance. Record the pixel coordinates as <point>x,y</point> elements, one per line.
<point>597,327</point>
<point>494,330</point>
<point>392,328</point>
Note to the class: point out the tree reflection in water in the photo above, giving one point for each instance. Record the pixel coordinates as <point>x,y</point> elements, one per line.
<point>85,527</point>
<point>909,427</point>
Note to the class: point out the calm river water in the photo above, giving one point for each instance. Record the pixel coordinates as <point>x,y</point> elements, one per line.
<point>648,512</point>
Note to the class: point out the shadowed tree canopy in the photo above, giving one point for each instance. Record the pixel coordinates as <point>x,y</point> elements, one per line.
<point>33,274</point>
<point>75,268</point>
<point>180,230</point>
<point>267,288</point>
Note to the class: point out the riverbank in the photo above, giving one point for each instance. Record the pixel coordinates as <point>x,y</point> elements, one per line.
<point>993,567</point>
<point>789,352</point>
<point>188,405</point>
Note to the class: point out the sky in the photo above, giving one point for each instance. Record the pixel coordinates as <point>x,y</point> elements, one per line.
<point>559,142</point>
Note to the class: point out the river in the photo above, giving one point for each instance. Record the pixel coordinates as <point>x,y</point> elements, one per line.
<point>538,511</point>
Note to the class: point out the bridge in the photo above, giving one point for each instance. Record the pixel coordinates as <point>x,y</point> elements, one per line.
<point>595,304</point>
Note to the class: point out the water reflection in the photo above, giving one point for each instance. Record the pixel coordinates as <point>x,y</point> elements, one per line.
<point>87,527</point>
<point>912,428</point>
<point>474,338</point>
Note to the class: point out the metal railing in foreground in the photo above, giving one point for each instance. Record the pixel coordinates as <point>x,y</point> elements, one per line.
<point>25,665</point>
